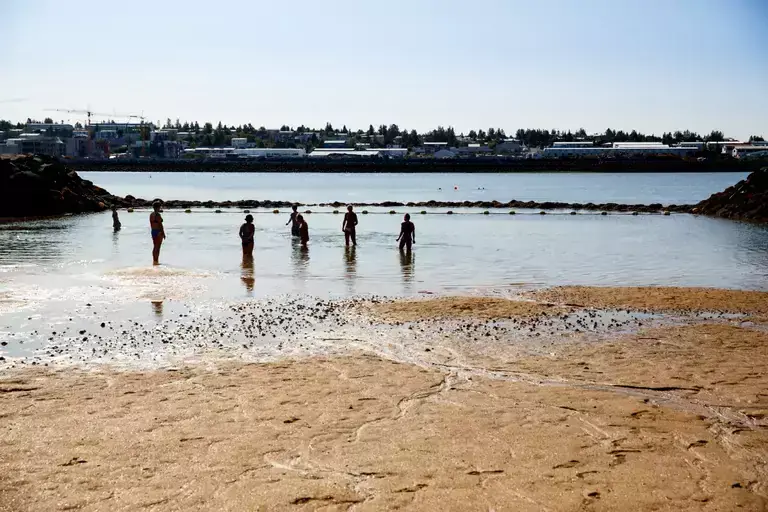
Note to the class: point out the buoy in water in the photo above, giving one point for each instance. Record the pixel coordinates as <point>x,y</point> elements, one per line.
<point>335,212</point>
<point>486,212</point>
<point>603,213</point>
<point>449,212</point>
<point>423,212</point>
<point>129,210</point>
<point>187,211</point>
<point>218,211</point>
<point>667,212</point>
<point>542,212</point>
<point>512,212</point>
<point>365,212</point>
<point>392,212</point>
<point>275,211</point>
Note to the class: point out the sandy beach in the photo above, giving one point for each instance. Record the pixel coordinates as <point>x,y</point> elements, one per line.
<point>667,415</point>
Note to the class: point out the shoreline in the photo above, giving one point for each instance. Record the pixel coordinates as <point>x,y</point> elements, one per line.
<point>419,165</point>
<point>552,414</point>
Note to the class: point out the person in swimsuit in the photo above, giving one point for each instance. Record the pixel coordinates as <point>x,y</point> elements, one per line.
<point>157,230</point>
<point>349,225</point>
<point>116,225</point>
<point>303,230</point>
<point>247,231</point>
<point>407,233</point>
<point>293,222</point>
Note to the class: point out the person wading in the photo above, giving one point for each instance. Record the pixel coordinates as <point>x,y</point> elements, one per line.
<point>247,231</point>
<point>349,226</point>
<point>157,230</point>
<point>407,233</point>
<point>293,221</point>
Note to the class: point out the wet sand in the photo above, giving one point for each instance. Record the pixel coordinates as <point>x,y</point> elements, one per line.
<point>668,417</point>
<point>657,298</point>
<point>483,308</point>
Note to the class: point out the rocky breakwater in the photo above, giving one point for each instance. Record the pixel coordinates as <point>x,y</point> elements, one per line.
<point>746,200</point>
<point>32,186</point>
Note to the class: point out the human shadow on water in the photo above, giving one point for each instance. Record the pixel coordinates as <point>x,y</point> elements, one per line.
<point>247,276</point>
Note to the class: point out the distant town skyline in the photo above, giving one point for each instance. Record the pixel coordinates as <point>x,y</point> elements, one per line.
<point>655,66</point>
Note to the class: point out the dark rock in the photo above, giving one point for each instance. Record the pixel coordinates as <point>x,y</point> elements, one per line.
<point>747,200</point>
<point>42,186</point>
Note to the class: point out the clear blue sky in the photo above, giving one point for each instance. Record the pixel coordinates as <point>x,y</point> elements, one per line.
<point>654,65</point>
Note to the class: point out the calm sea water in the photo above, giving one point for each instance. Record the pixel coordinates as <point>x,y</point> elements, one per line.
<point>670,188</point>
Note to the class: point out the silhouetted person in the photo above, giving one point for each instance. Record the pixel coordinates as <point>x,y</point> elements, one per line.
<point>349,226</point>
<point>293,221</point>
<point>303,230</point>
<point>407,233</point>
<point>157,230</point>
<point>115,219</point>
<point>247,231</point>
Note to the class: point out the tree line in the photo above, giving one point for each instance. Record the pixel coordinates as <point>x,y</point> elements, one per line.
<point>383,135</point>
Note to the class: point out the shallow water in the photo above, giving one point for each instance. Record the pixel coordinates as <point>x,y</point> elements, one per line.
<point>74,273</point>
<point>629,188</point>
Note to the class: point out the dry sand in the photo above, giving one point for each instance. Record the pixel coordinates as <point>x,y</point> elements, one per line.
<point>672,418</point>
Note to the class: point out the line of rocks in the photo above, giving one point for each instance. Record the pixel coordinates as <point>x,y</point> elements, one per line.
<point>131,201</point>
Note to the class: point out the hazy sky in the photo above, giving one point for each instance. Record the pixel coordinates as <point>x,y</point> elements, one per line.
<point>652,65</point>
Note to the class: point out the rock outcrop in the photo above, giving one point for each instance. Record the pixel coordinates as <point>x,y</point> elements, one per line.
<point>32,186</point>
<point>746,200</point>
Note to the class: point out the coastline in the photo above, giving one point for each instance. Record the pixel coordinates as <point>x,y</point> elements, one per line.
<point>564,417</point>
<point>419,165</point>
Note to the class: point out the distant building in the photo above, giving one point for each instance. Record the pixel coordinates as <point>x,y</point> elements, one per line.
<point>445,154</point>
<point>509,146</point>
<point>619,150</point>
<point>742,151</point>
<point>473,150</point>
<point>573,144</point>
<point>239,142</point>
<point>36,144</point>
<point>433,147</point>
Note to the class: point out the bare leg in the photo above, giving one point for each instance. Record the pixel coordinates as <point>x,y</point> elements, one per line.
<point>248,250</point>
<point>157,241</point>
<point>353,236</point>
<point>346,237</point>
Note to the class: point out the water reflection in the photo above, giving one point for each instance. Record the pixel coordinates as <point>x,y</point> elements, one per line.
<point>406,266</point>
<point>300,258</point>
<point>157,308</point>
<point>247,276</point>
<point>350,266</point>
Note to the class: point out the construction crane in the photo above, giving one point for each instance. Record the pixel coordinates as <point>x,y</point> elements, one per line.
<point>88,113</point>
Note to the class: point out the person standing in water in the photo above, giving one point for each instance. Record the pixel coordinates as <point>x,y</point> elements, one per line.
<point>407,233</point>
<point>349,226</point>
<point>247,230</point>
<point>303,230</point>
<point>115,220</point>
<point>157,230</point>
<point>293,221</point>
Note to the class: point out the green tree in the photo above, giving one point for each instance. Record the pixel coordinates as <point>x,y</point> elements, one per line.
<point>756,138</point>
<point>48,120</point>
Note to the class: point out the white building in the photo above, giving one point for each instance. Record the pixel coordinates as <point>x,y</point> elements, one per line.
<point>239,142</point>
<point>573,144</point>
<point>247,152</point>
<point>619,150</point>
<point>742,151</point>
